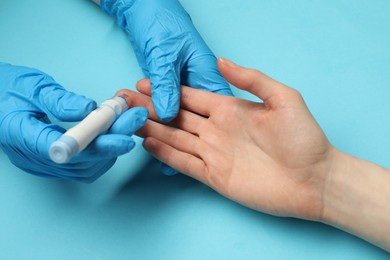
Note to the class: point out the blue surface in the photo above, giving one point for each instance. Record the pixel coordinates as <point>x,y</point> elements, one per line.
<point>335,52</point>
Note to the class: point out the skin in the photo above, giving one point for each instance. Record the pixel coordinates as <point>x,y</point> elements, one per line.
<point>271,156</point>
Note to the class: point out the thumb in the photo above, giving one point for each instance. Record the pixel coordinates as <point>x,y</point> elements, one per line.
<point>251,80</point>
<point>165,81</point>
<point>201,73</point>
<point>64,105</point>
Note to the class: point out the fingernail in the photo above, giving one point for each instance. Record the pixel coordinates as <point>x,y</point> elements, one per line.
<point>228,63</point>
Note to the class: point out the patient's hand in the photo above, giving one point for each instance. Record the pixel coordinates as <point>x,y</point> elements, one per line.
<point>270,156</point>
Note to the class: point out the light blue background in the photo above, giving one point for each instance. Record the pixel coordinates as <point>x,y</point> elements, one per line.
<point>337,53</point>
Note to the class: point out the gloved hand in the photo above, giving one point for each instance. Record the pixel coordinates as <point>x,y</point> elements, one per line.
<point>27,98</point>
<point>168,48</point>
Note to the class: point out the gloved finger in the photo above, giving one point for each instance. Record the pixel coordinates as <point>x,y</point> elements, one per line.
<point>168,170</point>
<point>105,147</point>
<point>130,121</point>
<point>37,91</point>
<point>165,80</point>
<point>202,73</point>
<point>64,105</point>
<point>31,134</point>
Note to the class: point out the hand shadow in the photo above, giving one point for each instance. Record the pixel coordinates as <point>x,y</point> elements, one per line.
<point>153,201</point>
<point>149,189</point>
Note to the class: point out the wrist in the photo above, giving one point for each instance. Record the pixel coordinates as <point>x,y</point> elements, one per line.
<point>332,188</point>
<point>356,198</point>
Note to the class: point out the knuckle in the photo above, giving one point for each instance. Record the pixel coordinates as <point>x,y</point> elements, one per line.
<point>293,93</point>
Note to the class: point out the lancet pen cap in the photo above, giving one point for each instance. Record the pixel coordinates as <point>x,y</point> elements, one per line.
<point>63,149</point>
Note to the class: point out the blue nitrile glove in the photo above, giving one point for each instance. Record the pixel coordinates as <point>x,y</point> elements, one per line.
<point>27,98</point>
<point>168,48</point>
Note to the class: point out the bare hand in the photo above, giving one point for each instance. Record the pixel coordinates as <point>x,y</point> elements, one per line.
<point>270,156</point>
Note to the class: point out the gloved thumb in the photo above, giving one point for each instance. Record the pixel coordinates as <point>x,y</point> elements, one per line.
<point>165,81</point>
<point>64,105</point>
<point>202,73</point>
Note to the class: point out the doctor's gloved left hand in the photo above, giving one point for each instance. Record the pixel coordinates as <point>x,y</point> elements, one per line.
<point>27,98</point>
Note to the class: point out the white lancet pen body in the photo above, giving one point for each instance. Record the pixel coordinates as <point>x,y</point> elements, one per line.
<point>80,136</point>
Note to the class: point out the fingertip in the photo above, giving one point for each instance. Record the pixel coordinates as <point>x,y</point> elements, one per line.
<point>241,76</point>
<point>224,64</point>
<point>73,107</point>
<point>164,114</point>
<point>166,103</point>
<point>125,94</point>
<point>145,143</point>
<point>167,170</point>
<point>130,145</point>
<point>129,122</point>
<point>91,105</point>
<point>142,111</point>
<point>144,86</point>
<point>144,81</point>
<point>125,144</point>
<point>106,146</point>
<point>121,92</point>
<point>141,115</point>
<point>251,80</point>
<point>150,144</point>
<point>227,68</point>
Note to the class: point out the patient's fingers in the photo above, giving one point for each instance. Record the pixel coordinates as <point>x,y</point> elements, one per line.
<point>135,99</point>
<point>189,122</point>
<point>172,136</point>
<point>185,120</point>
<point>251,80</point>
<point>144,87</point>
<point>200,101</point>
<point>181,161</point>
<point>197,101</point>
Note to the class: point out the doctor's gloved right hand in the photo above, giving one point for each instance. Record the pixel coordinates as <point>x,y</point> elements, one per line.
<point>27,98</point>
<point>169,49</point>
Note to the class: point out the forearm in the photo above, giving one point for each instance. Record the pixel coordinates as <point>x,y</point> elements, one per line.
<point>357,199</point>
